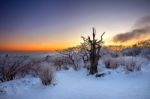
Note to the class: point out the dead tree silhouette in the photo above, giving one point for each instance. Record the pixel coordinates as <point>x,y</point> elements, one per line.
<point>93,49</point>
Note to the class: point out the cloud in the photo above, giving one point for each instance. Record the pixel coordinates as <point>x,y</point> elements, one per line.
<point>143,22</point>
<point>142,28</point>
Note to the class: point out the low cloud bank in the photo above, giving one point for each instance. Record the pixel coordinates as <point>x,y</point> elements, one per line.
<point>142,29</point>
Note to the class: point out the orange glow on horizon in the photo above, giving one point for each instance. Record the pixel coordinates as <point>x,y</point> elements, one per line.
<point>53,45</point>
<point>32,47</point>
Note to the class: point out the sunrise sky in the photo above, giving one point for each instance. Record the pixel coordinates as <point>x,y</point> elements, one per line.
<point>36,25</point>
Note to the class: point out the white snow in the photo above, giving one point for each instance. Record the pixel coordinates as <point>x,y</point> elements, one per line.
<point>77,85</point>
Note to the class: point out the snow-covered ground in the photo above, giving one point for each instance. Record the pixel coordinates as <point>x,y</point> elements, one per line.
<point>77,85</point>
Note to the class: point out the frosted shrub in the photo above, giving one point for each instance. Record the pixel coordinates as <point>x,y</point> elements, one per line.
<point>109,61</point>
<point>73,57</point>
<point>46,73</point>
<point>145,53</point>
<point>10,67</point>
<point>129,63</point>
<point>61,63</point>
<point>64,62</point>
<point>131,51</point>
<point>19,66</point>
<point>31,68</point>
<point>132,64</point>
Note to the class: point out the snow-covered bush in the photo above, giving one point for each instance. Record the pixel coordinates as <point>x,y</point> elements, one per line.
<point>145,53</point>
<point>129,63</point>
<point>116,54</point>
<point>45,72</point>
<point>10,67</point>
<point>72,56</point>
<point>109,62</point>
<point>30,68</point>
<point>131,51</point>
<point>61,63</point>
<point>42,69</point>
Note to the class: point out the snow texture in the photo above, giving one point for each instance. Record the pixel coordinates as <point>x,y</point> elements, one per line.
<point>77,85</point>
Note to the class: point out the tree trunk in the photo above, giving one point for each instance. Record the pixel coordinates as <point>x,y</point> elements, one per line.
<point>95,46</point>
<point>93,69</point>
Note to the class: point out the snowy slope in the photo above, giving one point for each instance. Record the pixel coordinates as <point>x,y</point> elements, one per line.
<point>77,85</point>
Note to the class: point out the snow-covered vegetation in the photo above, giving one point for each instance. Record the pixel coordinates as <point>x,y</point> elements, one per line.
<point>121,75</point>
<point>72,84</point>
<point>13,67</point>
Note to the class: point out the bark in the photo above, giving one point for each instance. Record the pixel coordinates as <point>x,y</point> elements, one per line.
<point>94,52</point>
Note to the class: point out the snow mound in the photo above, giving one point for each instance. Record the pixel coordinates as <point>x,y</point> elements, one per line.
<point>19,87</point>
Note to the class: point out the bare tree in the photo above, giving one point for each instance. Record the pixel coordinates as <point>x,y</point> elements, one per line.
<point>93,48</point>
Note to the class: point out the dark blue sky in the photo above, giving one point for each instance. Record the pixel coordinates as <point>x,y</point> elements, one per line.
<point>24,22</point>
